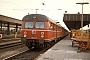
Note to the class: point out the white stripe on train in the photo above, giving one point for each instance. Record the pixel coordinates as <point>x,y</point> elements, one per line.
<point>40,30</point>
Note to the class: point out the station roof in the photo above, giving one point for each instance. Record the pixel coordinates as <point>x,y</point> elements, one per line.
<point>73,21</point>
<point>5,19</point>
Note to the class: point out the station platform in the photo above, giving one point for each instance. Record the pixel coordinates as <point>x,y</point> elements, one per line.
<point>63,50</point>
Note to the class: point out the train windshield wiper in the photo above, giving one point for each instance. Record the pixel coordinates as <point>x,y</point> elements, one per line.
<point>28,27</point>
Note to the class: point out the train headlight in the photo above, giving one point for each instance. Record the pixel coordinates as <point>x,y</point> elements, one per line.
<point>25,34</point>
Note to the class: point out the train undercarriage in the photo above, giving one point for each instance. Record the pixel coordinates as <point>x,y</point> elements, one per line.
<point>39,43</point>
<point>30,43</point>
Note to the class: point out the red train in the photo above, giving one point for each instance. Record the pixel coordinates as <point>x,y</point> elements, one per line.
<point>39,31</point>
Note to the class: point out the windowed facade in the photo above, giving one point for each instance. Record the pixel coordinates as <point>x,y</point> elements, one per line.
<point>39,24</point>
<point>29,25</point>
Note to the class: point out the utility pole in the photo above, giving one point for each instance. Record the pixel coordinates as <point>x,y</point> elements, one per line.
<point>82,3</point>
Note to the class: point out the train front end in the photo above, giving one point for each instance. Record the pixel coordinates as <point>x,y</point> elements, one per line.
<point>34,31</point>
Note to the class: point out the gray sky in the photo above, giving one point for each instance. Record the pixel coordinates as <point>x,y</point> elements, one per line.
<point>19,8</point>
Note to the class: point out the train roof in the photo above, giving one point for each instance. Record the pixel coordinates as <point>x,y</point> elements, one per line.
<point>36,17</point>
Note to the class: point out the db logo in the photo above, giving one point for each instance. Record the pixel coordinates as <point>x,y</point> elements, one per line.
<point>33,32</point>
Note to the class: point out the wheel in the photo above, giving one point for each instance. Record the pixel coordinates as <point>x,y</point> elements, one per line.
<point>46,45</point>
<point>28,45</point>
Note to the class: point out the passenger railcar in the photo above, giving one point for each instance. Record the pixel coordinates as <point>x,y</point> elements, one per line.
<point>39,31</point>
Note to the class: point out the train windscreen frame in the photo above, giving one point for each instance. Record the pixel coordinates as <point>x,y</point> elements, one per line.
<point>39,24</point>
<point>29,24</point>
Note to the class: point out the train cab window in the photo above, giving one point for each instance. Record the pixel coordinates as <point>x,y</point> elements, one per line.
<point>29,25</point>
<point>39,24</point>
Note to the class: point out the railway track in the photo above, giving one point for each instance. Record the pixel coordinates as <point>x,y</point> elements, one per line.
<point>10,45</point>
<point>29,54</point>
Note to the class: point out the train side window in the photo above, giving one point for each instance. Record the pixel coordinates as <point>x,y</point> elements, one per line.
<point>29,25</point>
<point>51,26</point>
<point>54,27</point>
<point>39,24</point>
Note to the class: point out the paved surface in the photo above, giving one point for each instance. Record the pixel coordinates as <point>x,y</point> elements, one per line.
<point>63,50</point>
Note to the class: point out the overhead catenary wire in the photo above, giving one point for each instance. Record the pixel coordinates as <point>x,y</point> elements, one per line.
<point>12,4</point>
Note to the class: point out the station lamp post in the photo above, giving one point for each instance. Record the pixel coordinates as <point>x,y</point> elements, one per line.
<point>82,3</point>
